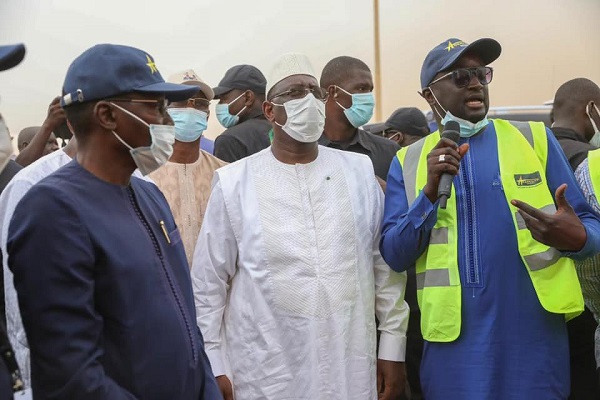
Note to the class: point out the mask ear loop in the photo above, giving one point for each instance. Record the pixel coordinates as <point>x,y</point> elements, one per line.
<point>438,103</point>
<point>589,114</point>
<point>335,96</point>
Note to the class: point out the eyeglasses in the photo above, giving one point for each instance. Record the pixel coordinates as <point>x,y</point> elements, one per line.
<point>161,104</point>
<point>300,92</point>
<point>462,76</point>
<point>199,103</point>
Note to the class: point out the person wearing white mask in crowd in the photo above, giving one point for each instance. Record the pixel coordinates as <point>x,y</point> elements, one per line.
<point>186,179</point>
<point>100,272</point>
<point>350,102</point>
<point>241,93</point>
<point>287,272</point>
<point>576,121</point>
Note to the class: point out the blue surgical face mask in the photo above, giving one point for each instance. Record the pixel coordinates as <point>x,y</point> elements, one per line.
<point>361,110</point>
<point>467,128</point>
<point>189,123</point>
<point>225,117</point>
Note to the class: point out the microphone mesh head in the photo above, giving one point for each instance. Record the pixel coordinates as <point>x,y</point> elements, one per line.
<point>451,131</point>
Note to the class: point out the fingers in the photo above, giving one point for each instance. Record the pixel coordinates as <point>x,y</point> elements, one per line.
<point>54,101</point>
<point>561,199</point>
<point>529,211</point>
<point>462,149</point>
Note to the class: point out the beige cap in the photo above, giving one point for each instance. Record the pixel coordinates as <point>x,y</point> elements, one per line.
<point>287,65</point>
<point>189,77</point>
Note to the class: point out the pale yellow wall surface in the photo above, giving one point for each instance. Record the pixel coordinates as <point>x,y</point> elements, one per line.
<point>544,42</point>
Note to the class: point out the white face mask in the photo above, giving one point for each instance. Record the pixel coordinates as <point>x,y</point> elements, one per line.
<point>305,118</point>
<point>595,140</point>
<point>150,158</point>
<point>6,148</point>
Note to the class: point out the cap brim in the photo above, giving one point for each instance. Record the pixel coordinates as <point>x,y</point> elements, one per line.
<point>204,88</point>
<point>375,128</point>
<point>11,56</point>
<point>220,90</point>
<point>487,49</point>
<point>172,91</point>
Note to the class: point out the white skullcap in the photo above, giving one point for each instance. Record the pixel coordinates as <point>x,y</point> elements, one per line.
<point>287,65</point>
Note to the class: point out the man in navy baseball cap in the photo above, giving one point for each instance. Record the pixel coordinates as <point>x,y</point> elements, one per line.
<point>114,317</point>
<point>511,227</point>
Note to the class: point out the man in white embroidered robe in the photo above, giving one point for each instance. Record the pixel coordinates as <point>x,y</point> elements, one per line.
<point>287,273</point>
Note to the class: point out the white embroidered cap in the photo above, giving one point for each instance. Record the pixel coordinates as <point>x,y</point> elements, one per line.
<point>287,65</point>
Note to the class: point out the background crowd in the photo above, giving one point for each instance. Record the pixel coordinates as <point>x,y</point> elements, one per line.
<point>302,254</point>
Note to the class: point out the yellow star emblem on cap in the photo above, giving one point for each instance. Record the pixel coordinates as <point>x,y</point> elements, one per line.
<point>151,64</point>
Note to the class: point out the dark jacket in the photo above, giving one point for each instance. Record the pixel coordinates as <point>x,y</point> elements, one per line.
<point>243,139</point>
<point>105,292</point>
<point>574,145</point>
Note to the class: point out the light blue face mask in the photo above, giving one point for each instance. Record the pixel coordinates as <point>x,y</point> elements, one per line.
<point>225,117</point>
<point>361,110</point>
<point>189,123</point>
<point>467,128</point>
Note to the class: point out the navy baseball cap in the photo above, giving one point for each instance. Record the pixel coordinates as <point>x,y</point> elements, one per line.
<point>445,55</point>
<point>243,77</point>
<point>107,70</point>
<point>408,120</point>
<point>11,55</point>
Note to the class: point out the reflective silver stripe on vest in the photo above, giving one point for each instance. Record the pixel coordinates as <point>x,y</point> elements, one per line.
<point>439,236</point>
<point>409,170</point>
<point>543,260</point>
<point>549,209</point>
<point>433,277</point>
<point>525,130</point>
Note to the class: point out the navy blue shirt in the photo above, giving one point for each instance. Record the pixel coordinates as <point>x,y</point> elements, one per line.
<point>105,293</point>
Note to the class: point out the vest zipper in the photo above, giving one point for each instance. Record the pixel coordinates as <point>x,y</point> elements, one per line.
<point>166,271</point>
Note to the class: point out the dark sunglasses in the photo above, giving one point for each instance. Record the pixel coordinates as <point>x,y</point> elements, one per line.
<point>462,76</point>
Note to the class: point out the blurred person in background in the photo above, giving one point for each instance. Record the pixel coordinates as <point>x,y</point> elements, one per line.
<point>576,121</point>
<point>186,178</point>
<point>241,93</point>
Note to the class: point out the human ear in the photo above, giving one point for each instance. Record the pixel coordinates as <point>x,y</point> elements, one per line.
<point>267,108</point>
<point>428,96</point>
<point>249,98</point>
<point>104,113</point>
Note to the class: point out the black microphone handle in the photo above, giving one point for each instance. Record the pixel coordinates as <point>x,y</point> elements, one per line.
<point>452,132</point>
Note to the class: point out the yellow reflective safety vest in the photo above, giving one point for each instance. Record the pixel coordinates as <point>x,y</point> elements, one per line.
<point>594,170</point>
<point>523,175</point>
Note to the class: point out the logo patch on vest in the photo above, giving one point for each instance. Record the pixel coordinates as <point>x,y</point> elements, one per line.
<point>528,180</point>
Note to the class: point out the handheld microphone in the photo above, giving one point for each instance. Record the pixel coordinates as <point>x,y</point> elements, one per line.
<point>452,132</point>
<point>8,355</point>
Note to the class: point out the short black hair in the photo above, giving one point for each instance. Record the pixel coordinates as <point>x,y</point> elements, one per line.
<point>339,68</point>
<point>79,117</point>
<point>573,95</point>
